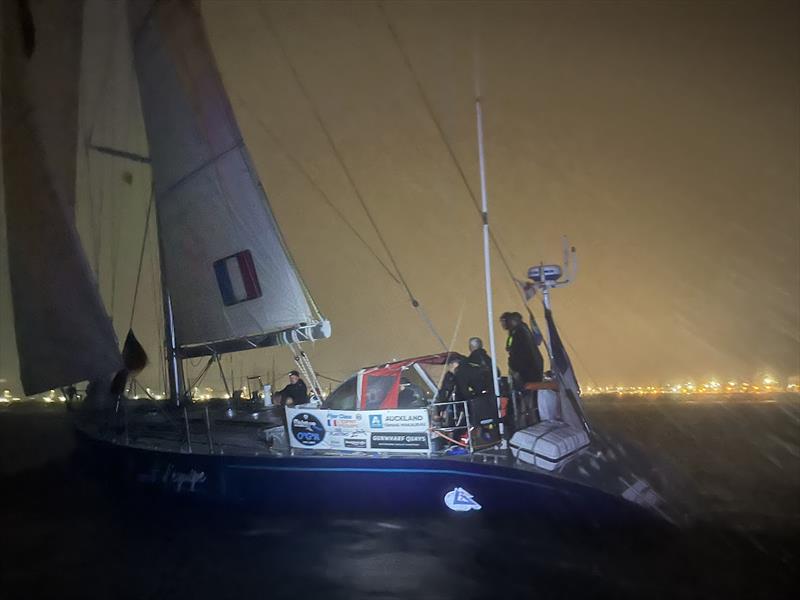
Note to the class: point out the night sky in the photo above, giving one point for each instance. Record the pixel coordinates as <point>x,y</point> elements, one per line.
<point>662,138</point>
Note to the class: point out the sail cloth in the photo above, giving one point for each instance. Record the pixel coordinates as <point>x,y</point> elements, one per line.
<point>228,273</point>
<point>63,332</point>
<point>571,409</point>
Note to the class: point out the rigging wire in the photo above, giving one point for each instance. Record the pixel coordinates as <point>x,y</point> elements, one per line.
<point>452,342</point>
<point>298,165</point>
<point>328,378</point>
<point>284,53</point>
<point>426,102</point>
<point>428,106</point>
<point>141,255</point>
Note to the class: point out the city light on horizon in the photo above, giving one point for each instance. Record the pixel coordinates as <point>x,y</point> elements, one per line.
<point>768,384</point>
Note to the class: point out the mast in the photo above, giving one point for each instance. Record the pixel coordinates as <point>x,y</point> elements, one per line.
<point>486,250</point>
<point>175,375</point>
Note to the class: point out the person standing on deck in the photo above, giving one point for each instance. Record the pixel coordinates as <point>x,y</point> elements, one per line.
<point>454,385</point>
<point>525,363</point>
<point>478,371</point>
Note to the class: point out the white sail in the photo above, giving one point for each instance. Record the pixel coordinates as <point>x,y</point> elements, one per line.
<point>63,332</point>
<point>231,282</point>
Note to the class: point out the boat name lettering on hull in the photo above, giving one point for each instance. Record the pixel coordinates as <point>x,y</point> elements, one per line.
<point>168,475</point>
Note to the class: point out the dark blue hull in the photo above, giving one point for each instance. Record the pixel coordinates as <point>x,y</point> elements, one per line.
<point>392,486</point>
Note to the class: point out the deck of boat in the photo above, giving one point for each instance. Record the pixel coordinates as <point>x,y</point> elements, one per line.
<point>259,432</point>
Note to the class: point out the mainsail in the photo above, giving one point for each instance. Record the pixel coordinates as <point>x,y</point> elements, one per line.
<point>63,332</point>
<point>230,280</point>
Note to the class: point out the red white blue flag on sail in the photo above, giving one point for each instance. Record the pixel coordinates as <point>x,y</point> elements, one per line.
<point>237,278</point>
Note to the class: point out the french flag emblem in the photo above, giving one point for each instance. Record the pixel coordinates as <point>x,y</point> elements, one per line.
<point>237,279</point>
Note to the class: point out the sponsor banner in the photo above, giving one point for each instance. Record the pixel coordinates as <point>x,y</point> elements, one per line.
<point>359,430</point>
<point>398,441</point>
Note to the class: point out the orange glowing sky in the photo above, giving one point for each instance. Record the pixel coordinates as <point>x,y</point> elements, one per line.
<point>663,138</point>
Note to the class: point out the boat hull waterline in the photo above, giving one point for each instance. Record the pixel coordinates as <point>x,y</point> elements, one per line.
<point>363,485</point>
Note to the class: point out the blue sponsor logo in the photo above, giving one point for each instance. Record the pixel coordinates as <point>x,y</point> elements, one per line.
<point>376,422</point>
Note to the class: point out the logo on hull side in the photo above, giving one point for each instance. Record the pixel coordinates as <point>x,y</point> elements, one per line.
<point>460,500</point>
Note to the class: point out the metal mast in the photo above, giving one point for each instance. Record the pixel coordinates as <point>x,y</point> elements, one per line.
<point>486,250</point>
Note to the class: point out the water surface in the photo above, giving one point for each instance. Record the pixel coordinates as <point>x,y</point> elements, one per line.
<point>735,467</point>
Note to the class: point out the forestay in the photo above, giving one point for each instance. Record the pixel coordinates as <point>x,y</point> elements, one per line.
<point>230,279</point>
<point>63,332</point>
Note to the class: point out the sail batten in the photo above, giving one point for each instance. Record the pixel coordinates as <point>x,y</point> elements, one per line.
<point>63,332</point>
<point>228,273</point>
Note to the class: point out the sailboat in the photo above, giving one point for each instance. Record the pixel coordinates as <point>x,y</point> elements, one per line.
<point>365,448</point>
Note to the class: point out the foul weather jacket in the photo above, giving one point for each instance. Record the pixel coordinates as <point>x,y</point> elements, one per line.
<point>525,362</point>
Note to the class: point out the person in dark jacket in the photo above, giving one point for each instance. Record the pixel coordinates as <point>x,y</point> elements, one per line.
<point>454,385</point>
<point>455,388</point>
<point>477,354</point>
<point>294,393</point>
<point>478,368</point>
<point>525,365</point>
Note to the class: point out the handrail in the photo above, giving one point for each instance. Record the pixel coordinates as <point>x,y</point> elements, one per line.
<point>543,385</point>
<point>468,426</point>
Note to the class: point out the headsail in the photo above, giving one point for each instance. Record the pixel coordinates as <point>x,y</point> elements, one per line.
<point>63,332</point>
<point>231,282</point>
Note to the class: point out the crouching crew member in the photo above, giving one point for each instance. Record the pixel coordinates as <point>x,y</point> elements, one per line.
<point>294,393</point>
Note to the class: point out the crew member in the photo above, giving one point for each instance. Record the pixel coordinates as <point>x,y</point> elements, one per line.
<point>294,393</point>
<point>525,365</point>
<point>477,354</point>
<point>478,368</point>
<point>455,386</point>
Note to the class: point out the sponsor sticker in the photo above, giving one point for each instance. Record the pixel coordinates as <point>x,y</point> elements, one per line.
<point>376,421</point>
<point>355,443</point>
<point>403,421</point>
<point>343,420</point>
<point>307,429</point>
<point>399,441</point>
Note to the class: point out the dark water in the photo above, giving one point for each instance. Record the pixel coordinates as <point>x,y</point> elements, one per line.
<point>734,466</point>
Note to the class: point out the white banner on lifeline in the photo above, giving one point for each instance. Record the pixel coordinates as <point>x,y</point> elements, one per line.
<point>359,430</point>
